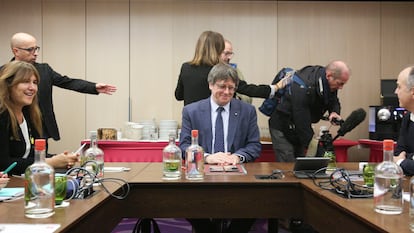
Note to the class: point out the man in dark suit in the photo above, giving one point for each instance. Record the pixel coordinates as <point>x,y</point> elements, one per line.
<point>241,137</point>
<point>24,48</point>
<point>404,153</point>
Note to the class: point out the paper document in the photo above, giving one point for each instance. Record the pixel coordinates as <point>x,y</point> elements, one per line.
<point>11,193</point>
<point>116,169</point>
<point>32,228</point>
<point>406,196</point>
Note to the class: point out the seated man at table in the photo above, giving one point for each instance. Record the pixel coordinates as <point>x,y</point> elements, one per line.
<point>405,147</point>
<point>228,132</point>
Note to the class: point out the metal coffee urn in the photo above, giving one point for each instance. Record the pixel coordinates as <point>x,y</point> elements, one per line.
<point>385,120</point>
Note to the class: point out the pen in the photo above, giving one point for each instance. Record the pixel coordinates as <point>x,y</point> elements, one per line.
<point>80,148</point>
<point>10,168</point>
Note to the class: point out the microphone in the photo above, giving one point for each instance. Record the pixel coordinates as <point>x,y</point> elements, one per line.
<point>351,122</point>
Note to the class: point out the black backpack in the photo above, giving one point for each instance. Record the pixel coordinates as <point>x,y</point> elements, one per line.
<point>270,104</point>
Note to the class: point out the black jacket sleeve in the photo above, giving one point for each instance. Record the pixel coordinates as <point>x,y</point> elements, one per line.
<point>252,90</point>
<point>54,78</point>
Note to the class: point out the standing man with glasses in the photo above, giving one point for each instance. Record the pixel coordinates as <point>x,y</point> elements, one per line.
<point>24,48</point>
<point>228,132</point>
<point>226,56</point>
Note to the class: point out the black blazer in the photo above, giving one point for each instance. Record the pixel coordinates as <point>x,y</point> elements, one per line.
<point>48,79</point>
<point>12,149</point>
<point>192,85</point>
<point>405,143</point>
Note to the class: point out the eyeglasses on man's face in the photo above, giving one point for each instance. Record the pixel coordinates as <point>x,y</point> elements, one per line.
<point>31,49</point>
<point>223,87</point>
<point>228,53</point>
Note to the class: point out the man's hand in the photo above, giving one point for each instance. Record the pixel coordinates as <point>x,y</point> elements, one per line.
<point>222,158</point>
<point>401,156</point>
<point>335,116</point>
<point>105,88</point>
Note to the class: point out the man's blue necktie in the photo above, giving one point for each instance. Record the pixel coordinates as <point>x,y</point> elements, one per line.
<point>219,132</point>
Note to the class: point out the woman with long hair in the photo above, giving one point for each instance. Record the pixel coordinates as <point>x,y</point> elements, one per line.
<point>21,120</point>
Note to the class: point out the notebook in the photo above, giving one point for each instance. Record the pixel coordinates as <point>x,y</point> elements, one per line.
<point>10,193</point>
<point>305,167</point>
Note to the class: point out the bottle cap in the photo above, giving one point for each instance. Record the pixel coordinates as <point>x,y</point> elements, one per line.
<point>40,144</point>
<point>194,133</point>
<point>388,144</point>
<point>93,134</point>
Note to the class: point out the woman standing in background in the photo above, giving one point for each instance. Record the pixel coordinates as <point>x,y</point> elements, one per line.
<point>192,82</point>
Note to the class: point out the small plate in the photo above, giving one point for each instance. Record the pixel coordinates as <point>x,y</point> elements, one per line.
<point>63,204</point>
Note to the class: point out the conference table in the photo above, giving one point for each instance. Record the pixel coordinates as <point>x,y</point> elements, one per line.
<point>219,196</point>
<point>93,209</point>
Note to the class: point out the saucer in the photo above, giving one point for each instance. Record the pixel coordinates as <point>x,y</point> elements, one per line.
<point>63,204</point>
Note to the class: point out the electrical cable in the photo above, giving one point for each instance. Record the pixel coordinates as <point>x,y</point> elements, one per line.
<point>122,183</point>
<point>86,179</point>
<point>340,182</point>
<point>276,174</point>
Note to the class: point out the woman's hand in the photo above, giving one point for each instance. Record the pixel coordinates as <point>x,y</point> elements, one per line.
<point>284,81</point>
<point>3,175</point>
<point>63,160</point>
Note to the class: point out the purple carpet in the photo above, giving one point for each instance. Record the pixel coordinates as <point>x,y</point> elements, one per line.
<point>168,225</point>
<point>179,225</point>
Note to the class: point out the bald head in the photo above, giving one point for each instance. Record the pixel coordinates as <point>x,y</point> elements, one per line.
<point>408,75</point>
<point>405,88</point>
<point>20,39</point>
<point>338,68</point>
<point>24,47</point>
<point>337,73</point>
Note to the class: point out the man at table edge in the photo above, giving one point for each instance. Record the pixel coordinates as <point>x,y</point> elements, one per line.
<point>405,147</point>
